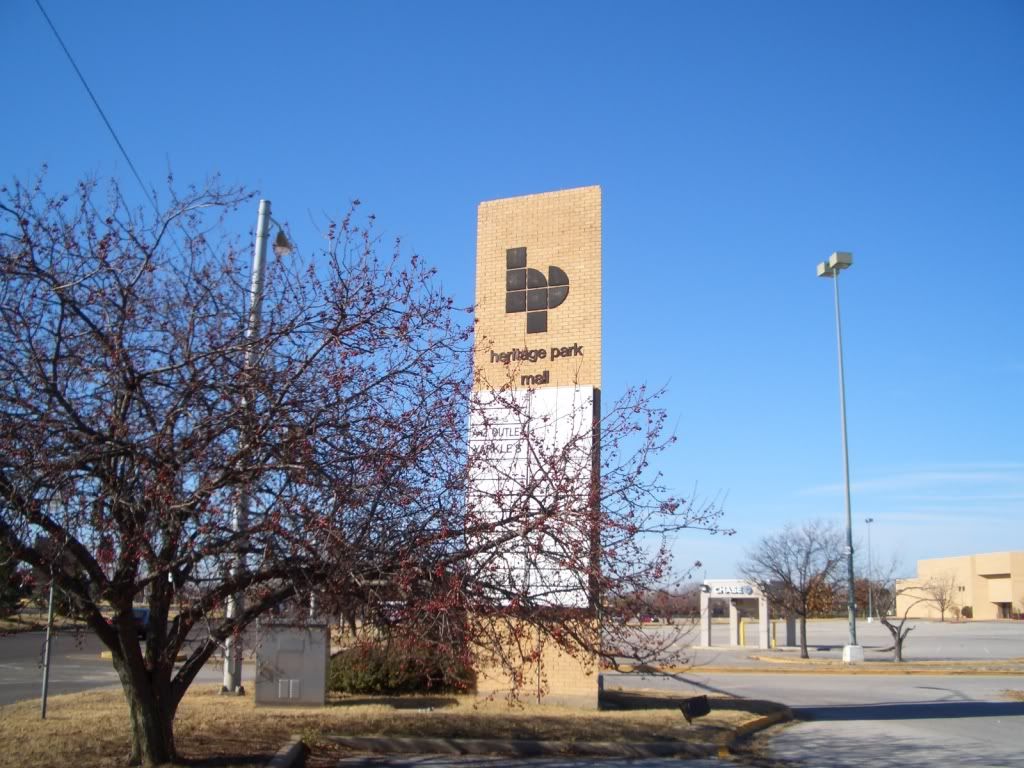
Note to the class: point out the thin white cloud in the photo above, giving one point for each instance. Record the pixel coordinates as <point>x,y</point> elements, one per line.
<point>925,480</point>
<point>987,465</point>
<point>992,498</point>
<point>944,517</point>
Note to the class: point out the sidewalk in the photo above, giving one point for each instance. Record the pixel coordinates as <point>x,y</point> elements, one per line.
<point>825,659</point>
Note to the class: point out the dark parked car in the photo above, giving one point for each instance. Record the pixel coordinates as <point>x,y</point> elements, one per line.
<point>140,617</point>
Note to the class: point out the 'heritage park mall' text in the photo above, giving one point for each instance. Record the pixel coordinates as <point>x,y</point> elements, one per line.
<point>533,356</point>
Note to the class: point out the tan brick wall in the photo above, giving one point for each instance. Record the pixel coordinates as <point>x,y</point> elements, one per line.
<point>561,229</point>
<point>554,677</point>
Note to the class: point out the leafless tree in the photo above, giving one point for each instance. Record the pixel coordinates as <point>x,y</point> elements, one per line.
<point>130,428</point>
<point>888,594</point>
<point>795,569</point>
<point>941,590</point>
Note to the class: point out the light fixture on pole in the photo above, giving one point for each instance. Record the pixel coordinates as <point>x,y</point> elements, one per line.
<point>868,521</point>
<point>837,262</point>
<point>240,515</point>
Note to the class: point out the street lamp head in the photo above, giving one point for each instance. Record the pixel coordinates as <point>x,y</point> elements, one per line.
<point>282,245</point>
<point>840,260</point>
<point>869,520</point>
<point>837,261</point>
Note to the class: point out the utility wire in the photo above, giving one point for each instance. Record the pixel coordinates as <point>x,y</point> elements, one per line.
<point>98,107</point>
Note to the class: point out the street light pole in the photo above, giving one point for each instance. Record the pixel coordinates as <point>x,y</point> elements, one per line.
<point>46,651</point>
<point>838,261</point>
<point>240,515</point>
<point>868,521</point>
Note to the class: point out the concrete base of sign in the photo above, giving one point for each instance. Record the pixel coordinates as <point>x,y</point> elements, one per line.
<point>549,676</point>
<point>853,654</point>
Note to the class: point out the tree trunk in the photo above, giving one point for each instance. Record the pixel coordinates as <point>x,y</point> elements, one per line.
<point>151,710</point>
<point>803,638</point>
<point>898,636</point>
<point>152,731</point>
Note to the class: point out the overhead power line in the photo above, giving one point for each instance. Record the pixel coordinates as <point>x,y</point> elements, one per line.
<point>96,103</point>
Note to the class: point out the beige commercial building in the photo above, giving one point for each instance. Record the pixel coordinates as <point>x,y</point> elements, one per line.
<point>990,586</point>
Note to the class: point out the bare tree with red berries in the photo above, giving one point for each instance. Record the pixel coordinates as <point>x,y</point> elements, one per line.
<point>131,426</point>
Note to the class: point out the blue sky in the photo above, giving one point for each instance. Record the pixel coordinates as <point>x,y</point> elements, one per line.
<point>737,144</point>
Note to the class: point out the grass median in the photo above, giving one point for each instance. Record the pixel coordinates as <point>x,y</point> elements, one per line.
<point>91,728</point>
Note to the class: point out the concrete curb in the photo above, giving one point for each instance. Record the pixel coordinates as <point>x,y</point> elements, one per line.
<point>523,747</point>
<point>110,656</point>
<point>291,754</point>
<point>826,667</point>
<point>783,715</point>
<point>1016,663</point>
<point>212,661</point>
<point>722,747</point>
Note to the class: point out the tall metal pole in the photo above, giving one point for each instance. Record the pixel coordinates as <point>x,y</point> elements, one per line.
<point>46,652</point>
<point>240,517</point>
<point>868,521</point>
<point>846,475</point>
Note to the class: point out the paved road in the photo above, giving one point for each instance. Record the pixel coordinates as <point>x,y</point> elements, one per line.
<point>876,720</point>
<point>963,733</point>
<point>921,721</point>
<point>76,665</point>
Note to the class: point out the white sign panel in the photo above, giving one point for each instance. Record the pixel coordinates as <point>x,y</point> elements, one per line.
<point>530,489</point>
<point>731,588</point>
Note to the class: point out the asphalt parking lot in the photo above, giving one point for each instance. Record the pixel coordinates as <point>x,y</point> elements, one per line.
<point>929,641</point>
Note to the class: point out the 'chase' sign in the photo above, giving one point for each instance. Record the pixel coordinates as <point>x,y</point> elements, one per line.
<point>730,588</point>
<point>737,590</point>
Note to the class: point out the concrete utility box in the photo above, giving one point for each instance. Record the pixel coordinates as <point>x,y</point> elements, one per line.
<point>291,664</point>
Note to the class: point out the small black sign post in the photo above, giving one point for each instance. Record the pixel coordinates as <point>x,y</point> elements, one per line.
<point>694,707</point>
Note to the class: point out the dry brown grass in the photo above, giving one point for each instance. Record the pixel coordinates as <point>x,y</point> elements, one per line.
<point>33,620</point>
<point>91,729</point>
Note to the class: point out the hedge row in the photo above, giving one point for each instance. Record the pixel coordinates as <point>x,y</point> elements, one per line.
<point>386,668</point>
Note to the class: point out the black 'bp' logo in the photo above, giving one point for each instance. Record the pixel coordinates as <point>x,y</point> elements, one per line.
<point>527,290</point>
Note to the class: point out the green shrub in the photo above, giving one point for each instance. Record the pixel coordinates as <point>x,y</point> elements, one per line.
<point>388,668</point>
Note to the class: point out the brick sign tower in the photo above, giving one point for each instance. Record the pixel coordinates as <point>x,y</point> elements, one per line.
<point>538,286</point>
<point>537,365</point>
